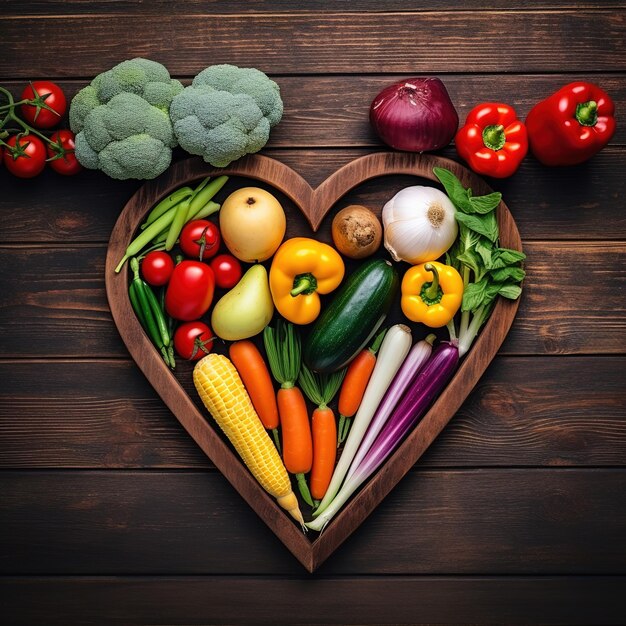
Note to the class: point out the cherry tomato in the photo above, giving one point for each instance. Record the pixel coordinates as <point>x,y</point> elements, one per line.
<point>227,270</point>
<point>190,291</point>
<point>27,157</point>
<point>61,154</point>
<point>157,268</point>
<point>200,239</point>
<point>48,93</point>
<point>193,340</point>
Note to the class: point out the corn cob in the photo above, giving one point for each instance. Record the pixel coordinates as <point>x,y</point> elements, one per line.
<point>224,395</point>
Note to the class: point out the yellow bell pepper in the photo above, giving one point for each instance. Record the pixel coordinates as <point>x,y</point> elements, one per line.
<point>303,268</point>
<point>431,293</point>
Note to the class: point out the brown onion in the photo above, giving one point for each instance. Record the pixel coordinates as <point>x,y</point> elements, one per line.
<point>415,115</point>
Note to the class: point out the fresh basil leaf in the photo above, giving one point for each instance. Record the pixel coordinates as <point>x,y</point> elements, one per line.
<point>482,224</point>
<point>472,260</point>
<point>509,256</point>
<point>484,249</point>
<point>474,295</point>
<point>503,257</point>
<point>503,274</point>
<point>485,204</point>
<point>454,188</point>
<point>512,292</point>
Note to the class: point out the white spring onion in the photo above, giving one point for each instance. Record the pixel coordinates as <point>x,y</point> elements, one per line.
<point>413,363</point>
<point>419,224</point>
<point>393,351</point>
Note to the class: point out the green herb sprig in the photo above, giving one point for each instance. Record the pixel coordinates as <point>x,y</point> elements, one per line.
<point>487,270</point>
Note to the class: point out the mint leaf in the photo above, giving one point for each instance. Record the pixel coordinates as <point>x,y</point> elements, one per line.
<point>454,188</point>
<point>504,257</point>
<point>484,249</point>
<point>503,274</point>
<point>510,291</point>
<point>472,260</point>
<point>485,225</point>
<point>485,204</point>
<point>474,295</point>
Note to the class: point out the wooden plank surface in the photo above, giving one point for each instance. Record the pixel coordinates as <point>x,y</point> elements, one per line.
<point>485,600</point>
<point>317,43</point>
<point>586,203</point>
<point>332,112</point>
<point>68,301</point>
<point>103,414</point>
<point>489,521</point>
<point>515,515</point>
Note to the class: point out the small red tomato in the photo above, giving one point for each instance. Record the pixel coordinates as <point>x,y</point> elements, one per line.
<point>227,270</point>
<point>43,92</point>
<point>61,153</point>
<point>190,291</point>
<point>200,239</point>
<point>26,157</point>
<point>157,267</point>
<point>193,340</point>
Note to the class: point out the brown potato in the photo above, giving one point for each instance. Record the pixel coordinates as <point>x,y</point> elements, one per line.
<point>357,232</point>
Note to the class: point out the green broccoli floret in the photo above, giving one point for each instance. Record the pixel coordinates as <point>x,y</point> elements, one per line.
<point>248,80</point>
<point>226,113</point>
<point>126,138</point>
<point>143,77</point>
<point>218,125</point>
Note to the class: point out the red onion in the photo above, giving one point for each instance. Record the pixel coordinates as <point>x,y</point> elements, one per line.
<point>415,115</point>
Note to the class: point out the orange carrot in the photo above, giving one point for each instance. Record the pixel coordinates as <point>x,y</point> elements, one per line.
<point>354,385</point>
<point>256,378</point>
<point>321,389</point>
<point>282,346</point>
<point>324,451</point>
<point>297,442</point>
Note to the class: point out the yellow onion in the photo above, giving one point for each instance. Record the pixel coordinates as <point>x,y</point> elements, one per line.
<point>419,224</point>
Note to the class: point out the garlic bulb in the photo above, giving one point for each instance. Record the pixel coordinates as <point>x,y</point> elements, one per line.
<point>419,224</point>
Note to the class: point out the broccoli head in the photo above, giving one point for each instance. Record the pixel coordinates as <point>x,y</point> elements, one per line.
<point>126,138</point>
<point>122,120</point>
<point>143,77</point>
<point>248,80</point>
<point>226,113</point>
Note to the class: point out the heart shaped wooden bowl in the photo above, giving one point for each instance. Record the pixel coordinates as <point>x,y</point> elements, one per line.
<point>314,204</point>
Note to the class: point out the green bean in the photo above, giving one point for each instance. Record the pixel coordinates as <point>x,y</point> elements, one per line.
<point>203,194</point>
<point>167,203</point>
<point>208,209</point>
<point>142,298</point>
<point>142,240</point>
<point>132,294</point>
<point>157,312</point>
<point>177,224</point>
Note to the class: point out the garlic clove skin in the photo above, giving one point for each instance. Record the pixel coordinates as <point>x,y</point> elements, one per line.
<point>419,224</point>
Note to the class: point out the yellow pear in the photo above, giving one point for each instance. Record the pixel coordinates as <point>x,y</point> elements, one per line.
<point>246,309</point>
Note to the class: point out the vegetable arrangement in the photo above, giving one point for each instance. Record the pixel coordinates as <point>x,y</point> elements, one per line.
<point>328,338</point>
<point>311,359</point>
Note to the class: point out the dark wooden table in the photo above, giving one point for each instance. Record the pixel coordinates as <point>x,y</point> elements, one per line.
<point>109,513</point>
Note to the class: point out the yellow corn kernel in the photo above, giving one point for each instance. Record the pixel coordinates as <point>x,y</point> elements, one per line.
<point>224,395</point>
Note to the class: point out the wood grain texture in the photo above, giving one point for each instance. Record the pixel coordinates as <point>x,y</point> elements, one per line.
<point>104,414</point>
<point>586,206</point>
<point>202,7</point>
<point>489,522</point>
<point>331,111</point>
<point>321,43</point>
<point>130,601</point>
<point>313,204</point>
<point>573,301</point>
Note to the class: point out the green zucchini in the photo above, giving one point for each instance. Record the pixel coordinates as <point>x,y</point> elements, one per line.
<point>356,312</point>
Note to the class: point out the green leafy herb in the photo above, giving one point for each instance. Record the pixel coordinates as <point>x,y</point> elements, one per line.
<point>487,270</point>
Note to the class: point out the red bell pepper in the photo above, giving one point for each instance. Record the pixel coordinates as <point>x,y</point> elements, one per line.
<point>493,141</point>
<point>571,125</point>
